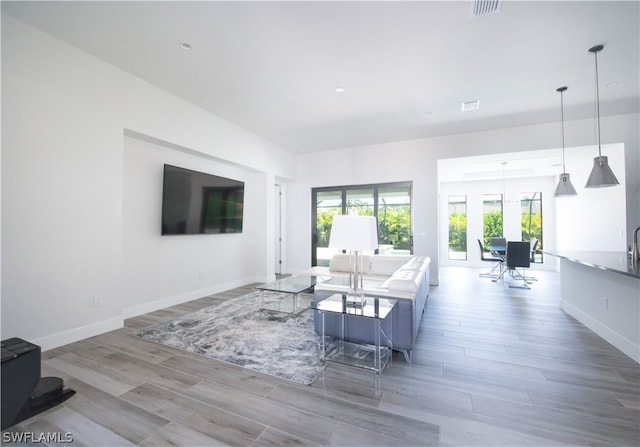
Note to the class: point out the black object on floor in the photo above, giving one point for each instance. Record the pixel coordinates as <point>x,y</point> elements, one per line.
<point>24,392</point>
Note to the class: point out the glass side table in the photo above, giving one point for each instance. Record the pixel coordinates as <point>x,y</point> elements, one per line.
<point>375,357</point>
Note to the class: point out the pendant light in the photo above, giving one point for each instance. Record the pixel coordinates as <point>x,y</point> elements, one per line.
<point>564,188</point>
<point>601,174</point>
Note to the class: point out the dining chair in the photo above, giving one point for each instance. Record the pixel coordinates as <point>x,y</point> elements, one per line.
<point>498,260</point>
<point>518,256</point>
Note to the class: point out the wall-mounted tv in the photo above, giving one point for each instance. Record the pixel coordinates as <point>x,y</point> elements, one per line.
<point>198,203</point>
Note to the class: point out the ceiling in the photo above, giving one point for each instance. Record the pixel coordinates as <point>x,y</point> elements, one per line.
<point>523,164</point>
<point>405,67</point>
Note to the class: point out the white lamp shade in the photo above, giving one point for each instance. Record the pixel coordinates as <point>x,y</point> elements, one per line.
<point>354,233</point>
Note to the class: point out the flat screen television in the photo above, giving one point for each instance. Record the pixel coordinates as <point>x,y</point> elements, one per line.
<point>198,203</point>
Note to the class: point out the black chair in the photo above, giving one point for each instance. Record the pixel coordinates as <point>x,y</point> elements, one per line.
<point>497,246</point>
<point>518,256</point>
<point>499,262</point>
<point>534,247</point>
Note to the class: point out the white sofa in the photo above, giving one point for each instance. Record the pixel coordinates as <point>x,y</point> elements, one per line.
<point>403,277</point>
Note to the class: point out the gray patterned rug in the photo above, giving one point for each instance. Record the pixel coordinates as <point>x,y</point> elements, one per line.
<point>238,332</point>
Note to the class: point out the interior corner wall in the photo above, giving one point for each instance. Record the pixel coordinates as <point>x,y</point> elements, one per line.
<point>64,114</point>
<point>595,218</point>
<point>161,271</point>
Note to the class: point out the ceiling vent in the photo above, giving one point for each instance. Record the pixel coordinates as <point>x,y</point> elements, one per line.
<point>485,7</point>
<point>470,105</point>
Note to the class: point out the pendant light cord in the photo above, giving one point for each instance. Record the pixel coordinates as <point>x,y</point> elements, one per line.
<point>564,169</point>
<point>595,53</point>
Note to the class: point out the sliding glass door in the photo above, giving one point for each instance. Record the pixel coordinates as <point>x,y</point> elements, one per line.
<point>389,203</point>
<point>394,219</point>
<point>327,204</point>
<point>360,202</point>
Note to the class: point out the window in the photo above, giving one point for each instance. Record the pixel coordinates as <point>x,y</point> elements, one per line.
<point>389,203</point>
<point>458,227</point>
<point>327,205</point>
<point>394,219</point>
<point>531,221</point>
<point>360,202</point>
<point>491,217</point>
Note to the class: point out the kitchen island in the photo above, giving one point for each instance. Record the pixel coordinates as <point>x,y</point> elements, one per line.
<point>602,290</point>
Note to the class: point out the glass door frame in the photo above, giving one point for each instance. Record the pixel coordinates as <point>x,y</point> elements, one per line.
<point>344,205</point>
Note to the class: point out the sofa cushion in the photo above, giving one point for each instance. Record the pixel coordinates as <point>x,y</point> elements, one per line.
<point>387,264</point>
<point>414,264</point>
<point>419,264</point>
<point>403,280</point>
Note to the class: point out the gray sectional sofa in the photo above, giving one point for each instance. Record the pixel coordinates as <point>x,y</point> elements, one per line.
<point>403,277</point>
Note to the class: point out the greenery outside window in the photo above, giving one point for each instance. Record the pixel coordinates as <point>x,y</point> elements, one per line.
<point>328,204</point>
<point>458,227</point>
<point>394,218</point>
<point>531,221</point>
<point>491,217</point>
<point>390,203</point>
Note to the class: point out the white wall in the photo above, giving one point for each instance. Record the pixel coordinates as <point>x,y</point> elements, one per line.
<point>64,176</point>
<point>160,271</point>
<point>605,302</point>
<point>594,219</point>
<point>416,160</point>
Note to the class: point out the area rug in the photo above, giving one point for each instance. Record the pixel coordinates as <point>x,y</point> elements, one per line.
<point>239,332</point>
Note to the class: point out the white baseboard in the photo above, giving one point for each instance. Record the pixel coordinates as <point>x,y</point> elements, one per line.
<point>617,340</point>
<point>79,333</point>
<point>141,309</point>
<point>91,330</point>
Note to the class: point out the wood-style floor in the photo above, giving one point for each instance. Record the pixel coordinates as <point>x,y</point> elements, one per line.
<point>493,366</point>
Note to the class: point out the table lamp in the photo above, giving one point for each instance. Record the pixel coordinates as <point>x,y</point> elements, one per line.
<point>354,234</point>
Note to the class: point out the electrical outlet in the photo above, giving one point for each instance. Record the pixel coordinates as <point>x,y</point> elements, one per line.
<point>605,302</point>
<point>96,301</point>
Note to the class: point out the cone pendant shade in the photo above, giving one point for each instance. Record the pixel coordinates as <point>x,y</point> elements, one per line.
<point>601,174</point>
<point>565,188</point>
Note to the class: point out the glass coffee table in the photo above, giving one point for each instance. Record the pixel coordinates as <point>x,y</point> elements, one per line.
<point>290,286</point>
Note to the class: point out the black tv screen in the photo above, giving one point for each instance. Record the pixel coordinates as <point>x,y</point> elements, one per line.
<point>198,203</point>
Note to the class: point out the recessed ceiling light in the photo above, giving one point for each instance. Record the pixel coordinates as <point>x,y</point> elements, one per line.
<point>185,46</point>
<point>339,89</point>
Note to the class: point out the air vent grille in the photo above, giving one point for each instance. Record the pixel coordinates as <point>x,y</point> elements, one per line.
<point>485,7</point>
<point>470,105</point>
